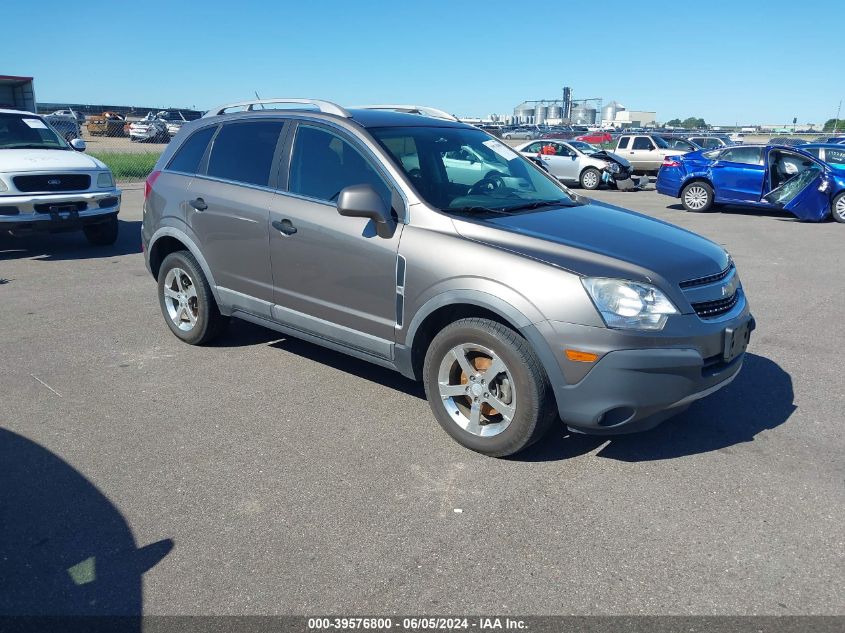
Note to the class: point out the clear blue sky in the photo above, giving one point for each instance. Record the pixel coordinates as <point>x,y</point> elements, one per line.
<point>745,61</point>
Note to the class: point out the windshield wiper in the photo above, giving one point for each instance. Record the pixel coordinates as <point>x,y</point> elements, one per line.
<point>475,209</point>
<point>538,204</point>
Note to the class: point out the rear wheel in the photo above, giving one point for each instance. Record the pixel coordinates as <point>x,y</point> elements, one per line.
<point>590,178</point>
<point>486,387</point>
<point>187,303</point>
<point>697,197</point>
<point>102,233</point>
<point>837,208</point>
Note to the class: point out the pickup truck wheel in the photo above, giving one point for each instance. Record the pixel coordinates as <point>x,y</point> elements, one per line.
<point>590,178</point>
<point>102,233</point>
<point>697,197</point>
<point>487,388</point>
<point>837,208</point>
<point>186,301</point>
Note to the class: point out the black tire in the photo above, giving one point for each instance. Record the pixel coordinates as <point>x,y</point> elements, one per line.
<point>837,208</point>
<point>535,409</point>
<point>697,197</point>
<point>590,178</point>
<point>209,321</point>
<point>102,233</point>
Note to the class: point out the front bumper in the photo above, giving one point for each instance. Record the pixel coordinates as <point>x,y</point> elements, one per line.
<point>57,212</point>
<point>639,379</point>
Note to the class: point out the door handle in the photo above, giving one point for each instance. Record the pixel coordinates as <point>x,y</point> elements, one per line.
<point>285,226</point>
<point>198,204</point>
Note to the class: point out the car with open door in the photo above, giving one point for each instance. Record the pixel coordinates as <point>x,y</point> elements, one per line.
<point>757,176</point>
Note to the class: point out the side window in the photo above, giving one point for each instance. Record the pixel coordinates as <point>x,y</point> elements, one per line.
<point>187,158</point>
<point>323,164</point>
<point>835,156</point>
<point>743,155</point>
<point>533,148</point>
<point>641,142</point>
<point>623,142</point>
<point>243,152</point>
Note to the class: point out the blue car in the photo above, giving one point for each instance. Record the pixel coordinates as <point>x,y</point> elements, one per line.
<point>758,176</point>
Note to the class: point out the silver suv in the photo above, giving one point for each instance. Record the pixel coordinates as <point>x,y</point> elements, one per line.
<point>514,300</point>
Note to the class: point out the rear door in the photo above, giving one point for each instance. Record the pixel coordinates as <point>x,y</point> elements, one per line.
<point>228,210</point>
<point>334,276</point>
<point>738,174</point>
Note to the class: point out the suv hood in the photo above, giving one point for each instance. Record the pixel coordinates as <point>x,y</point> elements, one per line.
<point>600,240</point>
<point>20,160</point>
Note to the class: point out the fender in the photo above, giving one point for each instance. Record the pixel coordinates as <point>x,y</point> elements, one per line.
<point>525,325</point>
<point>183,237</point>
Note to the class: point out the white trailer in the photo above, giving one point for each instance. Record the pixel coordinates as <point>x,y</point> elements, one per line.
<point>17,93</point>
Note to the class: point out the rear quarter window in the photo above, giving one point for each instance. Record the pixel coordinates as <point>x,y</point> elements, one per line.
<point>187,158</point>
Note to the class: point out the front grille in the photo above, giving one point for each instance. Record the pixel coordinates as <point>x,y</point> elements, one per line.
<point>63,206</point>
<point>9,211</point>
<point>703,281</point>
<point>52,182</point>
<point>711,309</point>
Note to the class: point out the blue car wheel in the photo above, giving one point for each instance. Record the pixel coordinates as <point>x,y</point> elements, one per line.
<point>697,197</point>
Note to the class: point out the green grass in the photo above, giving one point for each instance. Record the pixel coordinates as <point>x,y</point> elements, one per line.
<point>128,165</point>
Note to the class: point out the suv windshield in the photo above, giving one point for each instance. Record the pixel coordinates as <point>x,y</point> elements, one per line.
<point>467,170</point>
<point>26,131</point>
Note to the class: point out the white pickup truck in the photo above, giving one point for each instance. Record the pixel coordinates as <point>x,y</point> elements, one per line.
<point>47,184</point>
<point>645,152</point>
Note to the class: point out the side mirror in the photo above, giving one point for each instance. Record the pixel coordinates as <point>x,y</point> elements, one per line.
<point>78,144</point>
<point>363,201</point>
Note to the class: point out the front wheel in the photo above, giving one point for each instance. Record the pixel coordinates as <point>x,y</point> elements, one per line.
<point>486,387</point>
<point>837,208</point>
<point>697,197</point>
<point>590,178</point>
<point>187,303</point>
<point>102,233</point>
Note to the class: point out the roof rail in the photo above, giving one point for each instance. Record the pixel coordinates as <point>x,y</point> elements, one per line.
<point>412,109</point>
<point>323,106</point>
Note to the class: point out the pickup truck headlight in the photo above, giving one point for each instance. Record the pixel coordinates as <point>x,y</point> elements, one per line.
<point>105,179</point>
<point>629,305</point>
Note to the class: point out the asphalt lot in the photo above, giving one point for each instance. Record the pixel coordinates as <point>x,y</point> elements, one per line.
<point>267,475</point>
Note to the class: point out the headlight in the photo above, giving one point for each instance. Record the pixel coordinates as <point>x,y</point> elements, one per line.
<point>613,168</point>
<point>104,179</point>
<point>3,186</point>
<point>628,304</point>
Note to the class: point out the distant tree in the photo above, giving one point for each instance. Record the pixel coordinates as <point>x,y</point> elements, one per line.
<point>693,123</point>
<point>830,124</point>
<point>674,123</point>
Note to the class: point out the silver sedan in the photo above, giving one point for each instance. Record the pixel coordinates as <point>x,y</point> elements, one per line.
<point>576,161</point>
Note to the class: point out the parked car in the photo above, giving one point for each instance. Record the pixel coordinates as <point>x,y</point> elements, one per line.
<point>736,138</point>
<point>66,126</point>
<point>547,305</point>
<point>645,152</point>
<point>757,176</point>
<point>579,162</point>
<point>521,133</point>
<point>831,153</point>
<point>80,118</point>
<point>680,143</point>
<point>595,138</point>
<point>787,140</point>
<point>175,119</point>
<point>830,139</point>
<point>47,184</point>
<point>106,124</point>
<point>151,129</point>
<point>710,141</point>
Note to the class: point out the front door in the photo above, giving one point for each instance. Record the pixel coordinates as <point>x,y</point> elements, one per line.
<point>643,154</point>
<point>229,211</point>
<point>738,174</point>
<point>334,277</point>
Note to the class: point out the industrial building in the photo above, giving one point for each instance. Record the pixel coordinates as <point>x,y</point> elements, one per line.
<point>579,112</point>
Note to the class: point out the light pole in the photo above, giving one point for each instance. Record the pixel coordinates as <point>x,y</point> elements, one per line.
<point>836,121</point>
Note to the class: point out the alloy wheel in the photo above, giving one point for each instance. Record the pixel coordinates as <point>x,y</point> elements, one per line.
<point>696,197</point>
<point>180,297</point>
<point>591,180</point>
<point>477,389</point>
<point>839,209</point>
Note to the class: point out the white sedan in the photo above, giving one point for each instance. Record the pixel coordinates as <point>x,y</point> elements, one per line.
<point>577,162</point>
